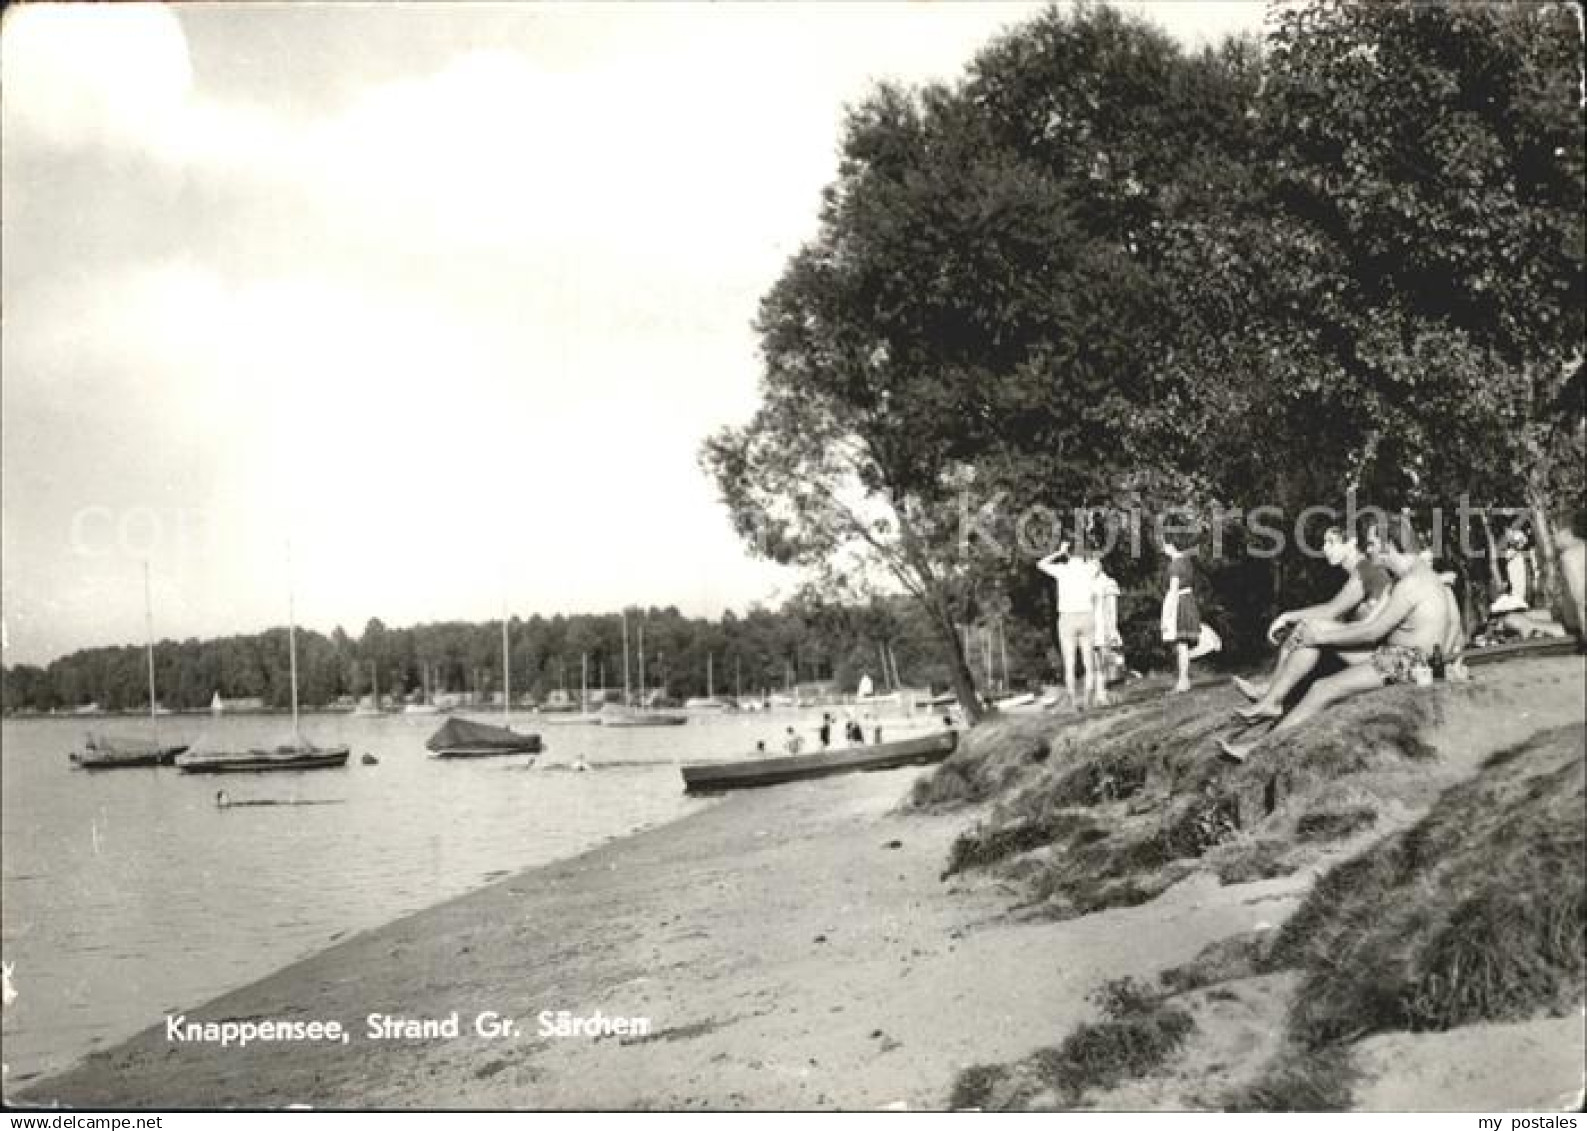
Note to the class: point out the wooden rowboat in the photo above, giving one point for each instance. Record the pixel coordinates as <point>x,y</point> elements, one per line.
<point>1537,646</point>
<point>712,777</point>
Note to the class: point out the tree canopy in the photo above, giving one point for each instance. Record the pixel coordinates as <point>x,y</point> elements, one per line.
<point>1098,269</point>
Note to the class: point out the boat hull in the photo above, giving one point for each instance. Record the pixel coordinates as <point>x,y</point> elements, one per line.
<point>108,760</point>
<point>534,747</point>
<point>1536,647</point>
<point>264,761</point>
<point>657,720</point>
<point>719,776</point>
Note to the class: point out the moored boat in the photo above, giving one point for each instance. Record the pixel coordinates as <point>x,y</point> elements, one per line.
<point>300,756</point>
<point>630,717</point>
<point>459,738</point>
<point>713,777</point>
<point>103,752</point>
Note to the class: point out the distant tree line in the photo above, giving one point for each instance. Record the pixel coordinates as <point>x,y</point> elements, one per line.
<point>1101,271</point>
<point>760,651</point>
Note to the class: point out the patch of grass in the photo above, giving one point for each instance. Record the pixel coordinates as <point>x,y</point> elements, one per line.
<point>987,844</point>
<point>992,759</point>
<point>1300,1079</point>
<point>1137,1034</point>
<point>1260,858</point>
<point>1224,960</point>
<point>976,1086</point>
<point>1475,913</point>
<point>1335,824</point>
<point>1104,1054</point>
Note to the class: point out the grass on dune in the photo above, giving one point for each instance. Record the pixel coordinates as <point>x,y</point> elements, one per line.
<point>1110,810</point>
<point>1137,1033</point>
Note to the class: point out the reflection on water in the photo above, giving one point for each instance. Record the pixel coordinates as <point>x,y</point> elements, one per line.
<point>129,893</point>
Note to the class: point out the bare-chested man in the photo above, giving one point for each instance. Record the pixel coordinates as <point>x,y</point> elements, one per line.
<point>1404,632</point>
<point>1362,594</point>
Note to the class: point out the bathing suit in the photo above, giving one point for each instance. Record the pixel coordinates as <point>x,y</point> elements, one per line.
<point>1394,662</point>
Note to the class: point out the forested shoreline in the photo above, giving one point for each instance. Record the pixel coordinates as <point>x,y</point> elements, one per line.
<point>760,651</point>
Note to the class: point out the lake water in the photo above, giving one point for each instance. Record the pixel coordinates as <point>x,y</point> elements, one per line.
<point>127,894</point>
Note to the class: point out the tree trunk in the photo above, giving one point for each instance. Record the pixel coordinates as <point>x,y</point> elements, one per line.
<point>958,663</point>
<point>1547,548</point>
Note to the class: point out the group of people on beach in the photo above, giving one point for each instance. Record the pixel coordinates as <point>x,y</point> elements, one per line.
<point>1088,618</point>
<point>1395,620</point>
<point>853,735</point>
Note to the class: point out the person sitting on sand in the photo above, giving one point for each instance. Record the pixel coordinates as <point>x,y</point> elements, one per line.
<point>1405,632</point>
<point>1512,613</point>
<point>794,743</point>
<point>1181,619</point>
<point>1358,598</point>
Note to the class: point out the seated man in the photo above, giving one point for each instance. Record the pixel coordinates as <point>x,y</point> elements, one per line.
<point>1413,622</point>
<point>1360,596</point>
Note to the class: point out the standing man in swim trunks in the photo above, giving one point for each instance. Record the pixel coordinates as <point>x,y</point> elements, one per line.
<point>1358,599</point>
<point>1411,624</point>
<point>1076,575</point>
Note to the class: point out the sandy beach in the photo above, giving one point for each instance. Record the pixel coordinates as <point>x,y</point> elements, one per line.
<point>791,948</point>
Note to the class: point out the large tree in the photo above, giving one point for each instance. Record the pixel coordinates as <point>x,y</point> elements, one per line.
<point>1426,173</point>
<point>982,315</point>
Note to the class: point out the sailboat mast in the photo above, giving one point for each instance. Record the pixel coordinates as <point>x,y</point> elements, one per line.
<point>710,687</point>
<point>584,682</point>
<point>627,696</point>
<point>292,651</point>
<point>641,663</point>
<point>148,628</point>
<point>506,673</point>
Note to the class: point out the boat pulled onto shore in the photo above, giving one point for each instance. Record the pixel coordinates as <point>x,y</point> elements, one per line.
<point>713,777</point>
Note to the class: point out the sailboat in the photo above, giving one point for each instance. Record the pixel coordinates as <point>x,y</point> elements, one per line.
<point>296,755</point>
<point>427,707</point>
<point>107,752</point>
<point>710,702</point>
<point>584,716</point>
<point>460,738</point>
<point>372,708</point>
<point>630,716</point>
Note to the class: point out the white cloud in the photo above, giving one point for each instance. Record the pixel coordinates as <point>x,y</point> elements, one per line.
<point>77,73</point>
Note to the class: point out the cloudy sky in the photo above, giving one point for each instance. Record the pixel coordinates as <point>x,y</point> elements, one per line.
<point>446,297</point>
